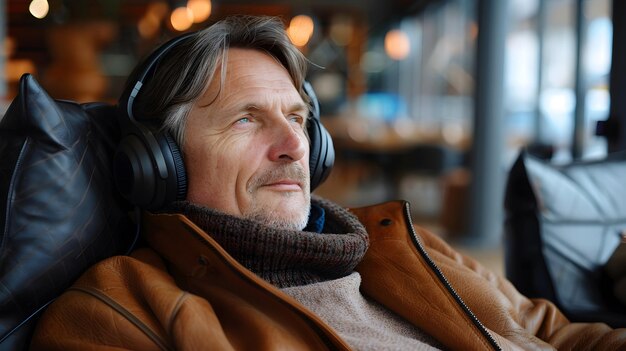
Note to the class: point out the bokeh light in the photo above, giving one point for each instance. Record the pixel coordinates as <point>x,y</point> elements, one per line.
<point>300,30</point>
<point>397,44</point>
<point>181,18</point>
<point>201,9</point>
<point>39,8</point>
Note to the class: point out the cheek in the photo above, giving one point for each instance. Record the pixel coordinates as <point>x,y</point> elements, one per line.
<point>206,157</point>
<point>217,175</point>
<point>206,176</point>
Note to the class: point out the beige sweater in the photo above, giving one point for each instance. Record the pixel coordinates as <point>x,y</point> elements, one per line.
<point>362,323</point>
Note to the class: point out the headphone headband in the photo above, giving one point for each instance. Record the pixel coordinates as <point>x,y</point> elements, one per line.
<point>150,64</point>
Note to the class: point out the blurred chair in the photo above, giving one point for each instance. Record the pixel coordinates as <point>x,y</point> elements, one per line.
<point>562,225</point>
<point>432,159</point>
<point>59,213</point>
<point>433,166</point>
<point>543,151</point>
<point>454,217</point>
<point>397,162</point>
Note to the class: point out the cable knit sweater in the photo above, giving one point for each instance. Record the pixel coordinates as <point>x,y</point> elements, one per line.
<point>316,269</point>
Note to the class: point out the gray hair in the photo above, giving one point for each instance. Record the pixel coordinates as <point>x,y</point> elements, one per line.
<point>184,73</point>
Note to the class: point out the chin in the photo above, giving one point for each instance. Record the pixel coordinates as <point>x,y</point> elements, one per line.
<point>280,220</point>
<point>288,223</point>
<point>288,213</point>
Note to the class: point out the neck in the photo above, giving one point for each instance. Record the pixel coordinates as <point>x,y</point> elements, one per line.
<point>281,256</point>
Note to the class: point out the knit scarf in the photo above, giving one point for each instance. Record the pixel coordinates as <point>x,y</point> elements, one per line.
<point>286,257</point>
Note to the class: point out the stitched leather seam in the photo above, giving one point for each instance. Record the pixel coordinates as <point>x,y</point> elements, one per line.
<point>179,304</point>
<point>11,192</point>
<point>24,321</point>
<point>126,314</point>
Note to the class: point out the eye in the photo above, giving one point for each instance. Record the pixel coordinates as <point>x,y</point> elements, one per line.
<point>242,123</point>
<point>297,119</point>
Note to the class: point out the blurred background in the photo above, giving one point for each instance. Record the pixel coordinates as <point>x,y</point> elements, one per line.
<point>427,100</point>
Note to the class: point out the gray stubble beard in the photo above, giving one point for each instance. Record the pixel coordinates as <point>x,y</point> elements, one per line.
<point>260,214</point>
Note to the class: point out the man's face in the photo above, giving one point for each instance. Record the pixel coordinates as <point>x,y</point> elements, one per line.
<point>246,151</point>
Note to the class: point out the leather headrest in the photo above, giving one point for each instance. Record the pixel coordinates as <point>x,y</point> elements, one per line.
<point>59,211</point>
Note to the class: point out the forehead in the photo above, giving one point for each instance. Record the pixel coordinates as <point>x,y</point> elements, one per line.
<point>250,72</point>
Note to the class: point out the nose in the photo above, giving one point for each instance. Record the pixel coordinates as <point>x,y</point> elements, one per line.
<point>288,144</point>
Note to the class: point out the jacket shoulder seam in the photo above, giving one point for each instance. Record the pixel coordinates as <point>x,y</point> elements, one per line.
<point>99,295</point>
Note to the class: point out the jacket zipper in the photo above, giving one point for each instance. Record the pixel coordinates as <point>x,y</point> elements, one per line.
<point>420,248</point>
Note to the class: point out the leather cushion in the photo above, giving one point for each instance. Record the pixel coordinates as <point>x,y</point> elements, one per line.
<point>563,223</point>
<point>59,213</point>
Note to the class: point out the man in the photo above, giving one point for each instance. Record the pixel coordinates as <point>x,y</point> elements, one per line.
<point>249,261</point>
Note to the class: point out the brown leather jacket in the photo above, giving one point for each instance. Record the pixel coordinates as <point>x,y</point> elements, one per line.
<point>187,293</point>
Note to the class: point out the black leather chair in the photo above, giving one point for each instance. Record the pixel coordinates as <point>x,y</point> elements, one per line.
<point>59,213</point>
<point>562,225</point>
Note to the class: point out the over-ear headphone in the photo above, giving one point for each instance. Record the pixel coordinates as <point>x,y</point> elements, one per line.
<point>321,150</point>
<point>148,167</point>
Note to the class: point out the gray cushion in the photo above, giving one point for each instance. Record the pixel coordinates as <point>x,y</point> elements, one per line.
<point>563,223</point>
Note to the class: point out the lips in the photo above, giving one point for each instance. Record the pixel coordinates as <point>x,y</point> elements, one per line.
<point>284,184</point>
<point>287,178</point>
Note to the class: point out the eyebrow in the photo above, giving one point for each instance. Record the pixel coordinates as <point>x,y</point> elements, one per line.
<point>293,108</point>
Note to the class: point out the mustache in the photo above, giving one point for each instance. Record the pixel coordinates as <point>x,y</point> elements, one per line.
<point>292,171</point>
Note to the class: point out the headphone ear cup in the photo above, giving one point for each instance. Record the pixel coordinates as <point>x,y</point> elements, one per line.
<point>176,182</point>
<point>321,152</point>
<point>134,172</point>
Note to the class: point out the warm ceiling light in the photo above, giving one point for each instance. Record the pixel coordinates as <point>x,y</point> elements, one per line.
<point>181,18</point>
<point>201,9</point>
<point>148,26</point>
<point>300,30</point>
<point>158,9</point>
<point>397,45</point>
<point>39,8</point>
